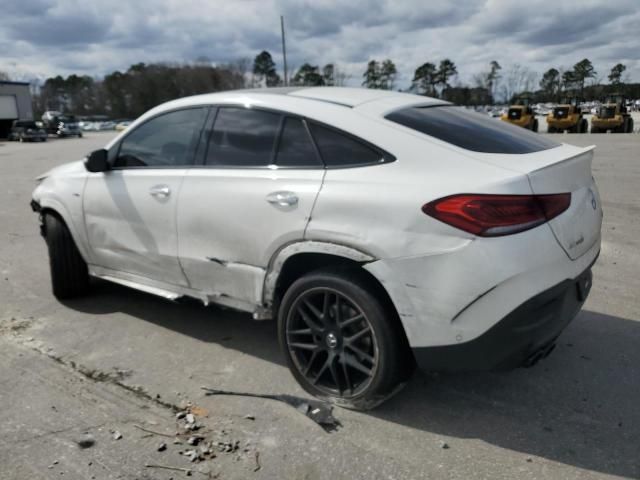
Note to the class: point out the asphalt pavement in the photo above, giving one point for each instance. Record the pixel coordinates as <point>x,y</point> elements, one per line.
<point>90,388</point>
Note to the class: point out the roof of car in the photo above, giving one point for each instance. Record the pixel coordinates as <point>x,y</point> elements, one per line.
<point>346,96</point>
<point>343,107</point>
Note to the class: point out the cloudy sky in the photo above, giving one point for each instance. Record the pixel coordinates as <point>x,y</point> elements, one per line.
<point>39,38</point>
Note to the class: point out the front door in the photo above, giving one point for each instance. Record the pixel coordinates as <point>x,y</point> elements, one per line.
<point>253,195</point>
<point>130,210</point>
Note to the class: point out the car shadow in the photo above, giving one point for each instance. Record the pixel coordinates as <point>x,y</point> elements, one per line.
<point>579,407</point>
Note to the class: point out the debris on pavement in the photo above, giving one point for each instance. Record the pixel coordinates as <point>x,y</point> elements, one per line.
<point>166,467</point>
<point>258,466</point>
<point>162,447</point>
<point>444,445</point>
<point>152,431</point>
<point>117,435</point>
<point>249,417</point>
<point>86,442</point>
<point>318,411</point>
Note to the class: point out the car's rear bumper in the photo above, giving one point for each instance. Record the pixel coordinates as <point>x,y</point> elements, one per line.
<point>521,338</point>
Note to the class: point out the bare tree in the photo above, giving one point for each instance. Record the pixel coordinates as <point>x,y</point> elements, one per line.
<point>518,79</point>
<point>340,77</point>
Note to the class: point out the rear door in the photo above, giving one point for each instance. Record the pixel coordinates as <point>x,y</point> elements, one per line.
<point>130,210</point>
<point>253,194</point>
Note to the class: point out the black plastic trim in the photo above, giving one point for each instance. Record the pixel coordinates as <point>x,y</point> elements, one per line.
<point>527,333</point>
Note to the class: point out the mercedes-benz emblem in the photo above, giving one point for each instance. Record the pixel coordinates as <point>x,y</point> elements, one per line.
<point>332,341</point>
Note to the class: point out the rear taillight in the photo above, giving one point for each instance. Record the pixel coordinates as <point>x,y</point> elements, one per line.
<point>496,215</point>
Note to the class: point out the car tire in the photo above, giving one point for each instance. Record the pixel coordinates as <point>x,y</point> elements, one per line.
<point>80,135</point>
<point>357,363</point>
<point>551,129</point>
<point>69,273</point>
<point>595,129</point>
<point>630,125</point>
<point>535,126</point>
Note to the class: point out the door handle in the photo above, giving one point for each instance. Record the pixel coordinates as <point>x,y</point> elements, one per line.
<point>283,199</point>
<point>162,191</point>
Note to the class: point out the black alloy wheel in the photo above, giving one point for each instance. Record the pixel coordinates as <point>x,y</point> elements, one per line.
<point>331,342</point>
<point>342,338</point>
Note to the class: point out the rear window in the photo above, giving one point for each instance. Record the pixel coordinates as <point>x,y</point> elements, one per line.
<point>470,130</point>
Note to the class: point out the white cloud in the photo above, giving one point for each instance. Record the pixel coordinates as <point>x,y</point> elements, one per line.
<point>44,37</point>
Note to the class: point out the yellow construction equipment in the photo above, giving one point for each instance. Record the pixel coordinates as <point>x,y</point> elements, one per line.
<point>521,114</point>
<point>567,117</point>
<point>612,115</point>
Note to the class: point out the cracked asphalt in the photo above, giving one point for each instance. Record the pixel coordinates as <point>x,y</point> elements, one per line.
<point>124,361</point>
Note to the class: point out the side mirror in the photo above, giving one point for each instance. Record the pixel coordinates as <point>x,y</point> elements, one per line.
<point>97,161</point>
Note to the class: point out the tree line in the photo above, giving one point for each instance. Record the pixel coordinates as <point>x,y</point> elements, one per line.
<point>142,86</point>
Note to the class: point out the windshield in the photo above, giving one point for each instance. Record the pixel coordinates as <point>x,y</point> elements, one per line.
<point>470,130</point>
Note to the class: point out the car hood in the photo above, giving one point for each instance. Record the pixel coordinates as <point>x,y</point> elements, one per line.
<point>71,167</point>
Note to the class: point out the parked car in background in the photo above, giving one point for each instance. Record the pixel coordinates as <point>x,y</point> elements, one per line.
<point>123,125</point>
<point>61,125</point>
<point>381,229</point>
<point>27,131</point>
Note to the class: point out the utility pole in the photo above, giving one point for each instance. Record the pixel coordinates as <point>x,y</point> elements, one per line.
<point>284,51</point>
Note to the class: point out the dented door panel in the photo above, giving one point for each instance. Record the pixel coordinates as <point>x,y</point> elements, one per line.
<point>131,229</point>
<point>231,222</point>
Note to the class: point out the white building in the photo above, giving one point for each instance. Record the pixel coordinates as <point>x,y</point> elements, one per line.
<point>15,104</point>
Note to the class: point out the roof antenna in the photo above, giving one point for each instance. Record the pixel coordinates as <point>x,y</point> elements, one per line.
<point>284,51</point>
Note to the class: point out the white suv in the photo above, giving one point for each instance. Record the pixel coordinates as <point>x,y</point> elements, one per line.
<point>380,228</point>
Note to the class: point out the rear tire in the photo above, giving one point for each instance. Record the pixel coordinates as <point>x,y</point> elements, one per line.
<point>630,126</point>
<point>535,126</point>
<point>69,273</point>
<point>341,341</point>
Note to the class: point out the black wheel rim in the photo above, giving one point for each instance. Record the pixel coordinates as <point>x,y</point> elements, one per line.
<point>331,342</point>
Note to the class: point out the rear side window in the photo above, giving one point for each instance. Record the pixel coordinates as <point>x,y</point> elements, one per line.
<point>243,137</point>
<point>295,148</point>
<point>339,150</point>
<point>470,130</point>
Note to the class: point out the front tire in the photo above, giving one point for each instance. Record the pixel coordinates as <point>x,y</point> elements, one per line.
<point>342,342</point>
<point>69,274</point>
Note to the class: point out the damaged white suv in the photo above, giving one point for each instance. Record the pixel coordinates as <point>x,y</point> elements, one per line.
<point>381,229</point>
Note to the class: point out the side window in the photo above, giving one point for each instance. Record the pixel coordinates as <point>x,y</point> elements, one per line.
<point>243,137</point>
<point>295,148</point>
<point>164,141</point>
<point>339,150</point>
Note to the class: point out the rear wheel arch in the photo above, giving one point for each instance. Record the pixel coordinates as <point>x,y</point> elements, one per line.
<point>310,258</point>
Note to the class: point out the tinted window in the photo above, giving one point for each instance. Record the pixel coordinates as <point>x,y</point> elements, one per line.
<point>295,148</point>
<point>164,141</point>
<point>243,137</point>
<point>340,150</point>
<point>471,130</point>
